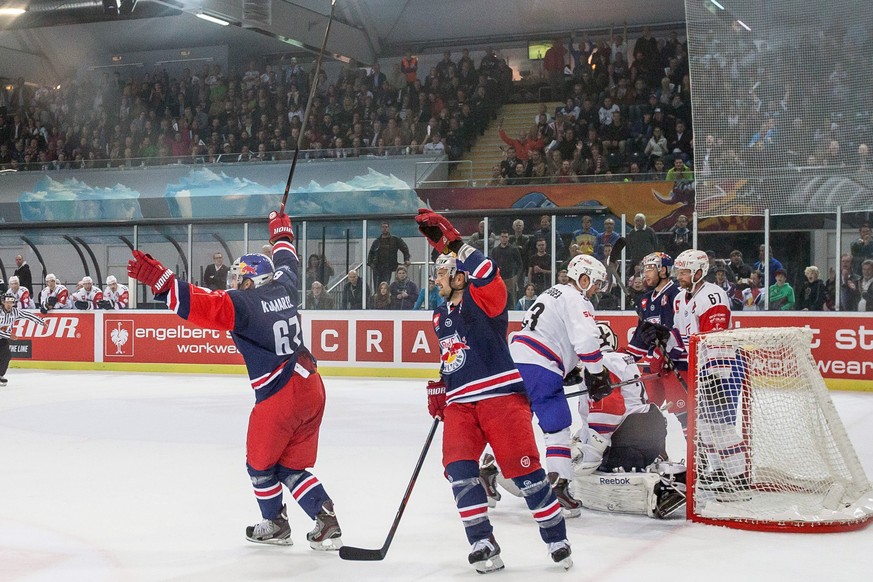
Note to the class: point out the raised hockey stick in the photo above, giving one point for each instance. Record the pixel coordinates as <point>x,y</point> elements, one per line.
<point>290,177</point>
<point>362,554</point>
<point>642,378</point>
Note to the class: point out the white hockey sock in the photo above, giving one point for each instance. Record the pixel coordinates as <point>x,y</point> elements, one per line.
<point>558,454</point>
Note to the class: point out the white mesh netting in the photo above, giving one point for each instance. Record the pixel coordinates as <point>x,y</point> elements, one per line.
<point>768,443</point>
<point>781,108</point>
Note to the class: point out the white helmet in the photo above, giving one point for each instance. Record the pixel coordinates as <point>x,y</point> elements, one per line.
<point>448,262</point>
<point>608,339</point>
<point>111,280</point>
<point>587,265</point>
<point>694,261</point>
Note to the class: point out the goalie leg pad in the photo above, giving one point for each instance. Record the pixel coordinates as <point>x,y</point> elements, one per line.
<point>618,492</point>
<point>470,499</point>
<point>305,488</point>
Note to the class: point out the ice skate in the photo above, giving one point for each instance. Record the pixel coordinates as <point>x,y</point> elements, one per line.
<point>488,477</point>
<point>561,488</point>
<point>485,556</point>
<point>327,532</point>
<point>3,381</point>
<point>560,552</point>
<point>271,531</point>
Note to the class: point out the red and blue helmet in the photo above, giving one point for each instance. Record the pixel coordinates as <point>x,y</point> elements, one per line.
<point>254,266</point>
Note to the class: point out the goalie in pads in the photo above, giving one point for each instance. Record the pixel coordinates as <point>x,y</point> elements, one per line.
<point>619,453</point>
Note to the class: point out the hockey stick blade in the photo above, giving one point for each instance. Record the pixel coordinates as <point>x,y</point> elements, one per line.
<point>362,554</point>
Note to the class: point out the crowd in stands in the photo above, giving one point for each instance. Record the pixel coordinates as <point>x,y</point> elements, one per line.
<point>208,115</point>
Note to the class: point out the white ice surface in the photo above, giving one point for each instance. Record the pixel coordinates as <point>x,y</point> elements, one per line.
<point>141,477</point>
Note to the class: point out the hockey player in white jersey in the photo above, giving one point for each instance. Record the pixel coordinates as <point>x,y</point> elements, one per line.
<point>115,295</point>
<point>558,333</point>
<point>23,300</point>
<point>619,453</point>
<point>705,307</point>
<point>88,296</point>
<point>54,295</point>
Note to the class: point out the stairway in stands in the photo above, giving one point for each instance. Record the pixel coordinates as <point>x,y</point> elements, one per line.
<point>487,153</point>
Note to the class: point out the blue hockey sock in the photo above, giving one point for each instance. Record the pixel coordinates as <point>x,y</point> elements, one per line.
<point>268,491</point>
<point>545,507</point>
<point>470,498</point>
<point>305,488</point>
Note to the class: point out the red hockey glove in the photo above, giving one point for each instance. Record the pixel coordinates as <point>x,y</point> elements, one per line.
<point>436,398</point>
<point>146,269</point>
<point>280,226</point>
<point>440,233</point>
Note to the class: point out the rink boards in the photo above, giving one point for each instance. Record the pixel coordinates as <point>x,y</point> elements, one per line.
<point>362,343</point>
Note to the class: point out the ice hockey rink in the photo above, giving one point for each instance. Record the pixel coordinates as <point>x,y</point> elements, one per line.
<point>110,476</point>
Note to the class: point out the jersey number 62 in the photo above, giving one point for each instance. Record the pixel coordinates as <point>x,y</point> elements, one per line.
<point>288,336</point>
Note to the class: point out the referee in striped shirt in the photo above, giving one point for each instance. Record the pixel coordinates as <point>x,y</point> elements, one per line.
<point>8,316</point>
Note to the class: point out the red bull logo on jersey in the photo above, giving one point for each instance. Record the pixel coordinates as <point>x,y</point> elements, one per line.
<point>453,350</point>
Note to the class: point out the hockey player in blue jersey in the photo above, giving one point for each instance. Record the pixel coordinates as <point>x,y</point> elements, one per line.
<point>481,397</point>
<point>260,311</point>
<point>655,335</point>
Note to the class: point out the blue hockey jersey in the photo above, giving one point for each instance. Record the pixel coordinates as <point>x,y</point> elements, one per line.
<point>264,322</point>
<point>657,307</point>
<point>475,360</point>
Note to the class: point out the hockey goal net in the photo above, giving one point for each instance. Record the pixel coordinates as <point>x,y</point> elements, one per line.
<point>766,447</point>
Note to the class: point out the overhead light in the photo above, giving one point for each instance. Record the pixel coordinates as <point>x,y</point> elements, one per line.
<point>212,19</point>
<point>12,11</point>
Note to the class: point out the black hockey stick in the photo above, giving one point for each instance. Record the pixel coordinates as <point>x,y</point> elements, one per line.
<point>612,267</point>
<point>642,378</point>
<point>362,554</point>
<point>288,184</point>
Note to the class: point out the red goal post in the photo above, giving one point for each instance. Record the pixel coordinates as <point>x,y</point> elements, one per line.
<point>767,450</point>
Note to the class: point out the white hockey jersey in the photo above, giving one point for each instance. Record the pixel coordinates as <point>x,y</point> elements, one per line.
<point>605,415</point>
<point>118,298</point>
<point>60,293</point>
<point>708,309</point>
<point>90,296</point>
<point>558,332</point>
<point>23,300</point>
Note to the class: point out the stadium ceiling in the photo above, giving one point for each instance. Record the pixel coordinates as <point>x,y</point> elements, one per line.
<point>66,33</point>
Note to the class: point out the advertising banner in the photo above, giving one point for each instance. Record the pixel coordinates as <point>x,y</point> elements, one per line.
<point>391,343</point>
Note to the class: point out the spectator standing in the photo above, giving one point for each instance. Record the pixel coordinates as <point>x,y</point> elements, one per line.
<point>508,259</point>
<point>539,272</point>
<point>382,258</point>
<point>775,265</point>
<point>403,291</point>
<point>680,236</point>
<point>865,286</point>
<point>215,274</point>
<point>528,299</point>
<point>521,241</point>
<point>353,291</point>
<point>753,296</point>
<point>741,270</point>
<point>409,67</point>
<point>781,293</point>
<point>861,249</point>
<point>318,269</point>
<point>22,271</point>
<point>553,65</point>
<point>850,293</point>
<point>641,241</point>
<point>812,293</point>
<point>607,237</point>
<point>477,239</point>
